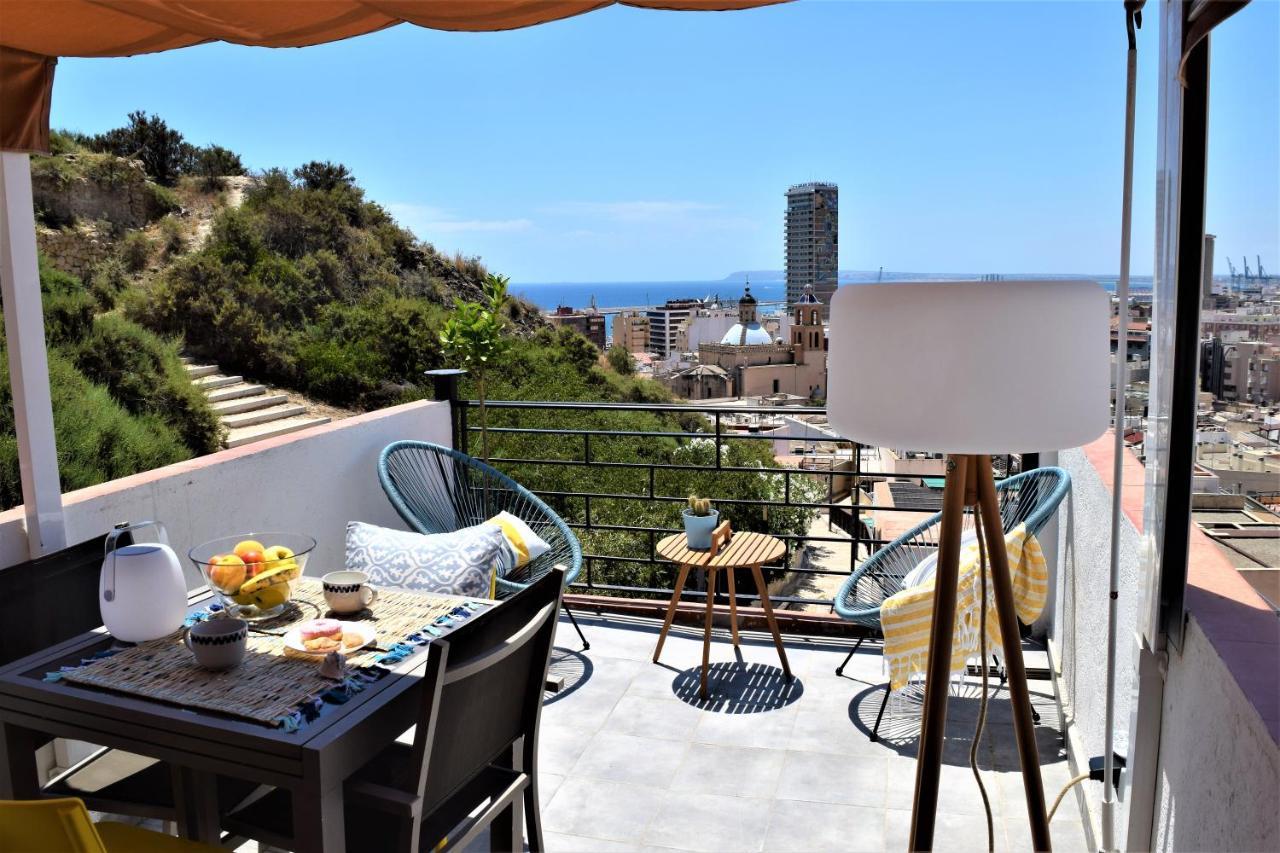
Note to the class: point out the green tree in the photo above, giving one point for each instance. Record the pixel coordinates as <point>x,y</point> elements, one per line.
<point>318,175</point>
<point>473,335</point>
<point>621,361</point>
<point>163,152</point>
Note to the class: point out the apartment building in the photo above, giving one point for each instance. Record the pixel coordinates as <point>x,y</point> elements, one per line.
<point>664,323</point>
<point>812,241</point>
<point>588,322</point>
<point>631,331</point>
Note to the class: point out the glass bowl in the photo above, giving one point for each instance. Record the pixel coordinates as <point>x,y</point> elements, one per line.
<point>252,574</point>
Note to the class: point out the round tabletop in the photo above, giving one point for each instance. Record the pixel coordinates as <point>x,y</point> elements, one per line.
<point>744,549</point>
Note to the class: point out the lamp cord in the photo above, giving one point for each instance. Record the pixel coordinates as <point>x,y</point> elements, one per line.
<point>1067,787</point>
<point>982,700</point>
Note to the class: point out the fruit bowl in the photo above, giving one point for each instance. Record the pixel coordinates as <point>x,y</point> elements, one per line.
<point>253,573</point>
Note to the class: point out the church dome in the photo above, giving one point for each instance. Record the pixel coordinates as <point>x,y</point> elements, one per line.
<point>746,334</point>
<point>747,298</point>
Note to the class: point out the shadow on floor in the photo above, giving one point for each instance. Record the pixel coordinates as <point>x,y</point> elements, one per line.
<point>737,687</point>
<point>573,668</point>
<point>900,727</point>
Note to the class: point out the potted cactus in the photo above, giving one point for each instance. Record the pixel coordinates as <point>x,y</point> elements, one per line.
<point>699,521</point>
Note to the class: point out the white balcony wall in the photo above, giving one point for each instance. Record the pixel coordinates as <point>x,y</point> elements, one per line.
<point>310,482</point>
<point>1079,629</point>
<point>1218,764</point>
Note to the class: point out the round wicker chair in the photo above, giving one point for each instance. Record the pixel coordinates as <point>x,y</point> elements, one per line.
<point>437,489</point>
<point>1030,498</point>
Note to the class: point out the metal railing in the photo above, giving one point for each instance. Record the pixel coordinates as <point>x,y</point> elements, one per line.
<point>566,445</point>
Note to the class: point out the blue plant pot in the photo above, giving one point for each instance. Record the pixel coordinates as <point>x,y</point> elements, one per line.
<point>697,528</point>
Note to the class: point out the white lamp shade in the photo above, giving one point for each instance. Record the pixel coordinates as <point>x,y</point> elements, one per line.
<point>970,367</point>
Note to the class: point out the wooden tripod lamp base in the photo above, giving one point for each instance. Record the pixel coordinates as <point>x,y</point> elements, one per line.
<point>970,484</point>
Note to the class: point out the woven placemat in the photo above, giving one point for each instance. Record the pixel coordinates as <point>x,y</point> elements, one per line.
<point>395,615</point>
<point>273,682</point>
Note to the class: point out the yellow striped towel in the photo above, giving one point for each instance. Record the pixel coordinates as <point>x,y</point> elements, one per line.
<point>906,617</point>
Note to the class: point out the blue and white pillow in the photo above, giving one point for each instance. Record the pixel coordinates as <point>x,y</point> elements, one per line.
<point>458,563</point>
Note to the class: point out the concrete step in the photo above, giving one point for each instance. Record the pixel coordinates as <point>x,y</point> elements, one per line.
<point>262,416</point>
<point>248,404</point>
<point>186,359</point>
<point>195,371</point>
<point>257,432</point>
<point>234,392</point>
<point>217,380</point>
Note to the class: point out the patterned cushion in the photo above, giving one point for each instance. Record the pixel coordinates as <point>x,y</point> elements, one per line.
<point>458,563</point>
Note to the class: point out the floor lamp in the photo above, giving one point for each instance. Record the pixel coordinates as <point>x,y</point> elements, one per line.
<point>970,369</point>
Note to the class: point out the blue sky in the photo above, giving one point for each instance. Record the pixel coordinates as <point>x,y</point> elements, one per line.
<point>634,145</point>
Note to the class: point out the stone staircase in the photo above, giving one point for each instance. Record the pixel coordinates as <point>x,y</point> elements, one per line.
<point>249,411</point>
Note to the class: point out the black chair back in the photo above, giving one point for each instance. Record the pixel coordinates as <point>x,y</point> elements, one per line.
<point>487,706</point>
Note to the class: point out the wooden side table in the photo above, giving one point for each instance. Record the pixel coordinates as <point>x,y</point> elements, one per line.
<point>729,551</point>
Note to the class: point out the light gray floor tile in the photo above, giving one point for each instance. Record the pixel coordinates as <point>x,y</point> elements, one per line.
<point>845,780</point>
<point>800,827</point>
<point>709,822</point>
<point>664,717</point>
<point>548,784</point>
<point>558,842</point>
<point>952,832</point>
<point>830,730</point>
<point>598,809</point>
<point>767,729</point>
<point>559,748</point>
<point>627,758</point>
<point>734,771</point>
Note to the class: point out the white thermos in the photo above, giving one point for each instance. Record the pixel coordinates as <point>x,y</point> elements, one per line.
<point>142,593</point>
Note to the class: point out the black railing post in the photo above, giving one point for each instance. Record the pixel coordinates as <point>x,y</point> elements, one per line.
<point>444,387</point>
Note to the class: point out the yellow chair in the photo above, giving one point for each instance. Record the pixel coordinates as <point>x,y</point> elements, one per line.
<point>64,826</point>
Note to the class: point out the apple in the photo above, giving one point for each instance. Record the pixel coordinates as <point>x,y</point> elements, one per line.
<point>227,572</point>
<point>249,546</point>
<point>276,553</point>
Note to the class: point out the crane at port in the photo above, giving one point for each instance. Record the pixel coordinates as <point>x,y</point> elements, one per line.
<point>1262,274</point>
<point>1235,276</point>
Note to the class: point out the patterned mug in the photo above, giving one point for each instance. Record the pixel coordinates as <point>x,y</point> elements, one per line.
<point>218,643</point>
<point>348,591</point>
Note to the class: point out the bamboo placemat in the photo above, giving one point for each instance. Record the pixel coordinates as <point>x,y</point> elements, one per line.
<point>273,681</point>
<point>395,615</point>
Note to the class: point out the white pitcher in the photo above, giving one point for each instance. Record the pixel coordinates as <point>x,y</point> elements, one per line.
<point>142,593</point>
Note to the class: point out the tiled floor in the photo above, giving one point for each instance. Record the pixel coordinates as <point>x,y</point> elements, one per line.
<point>630,759</point>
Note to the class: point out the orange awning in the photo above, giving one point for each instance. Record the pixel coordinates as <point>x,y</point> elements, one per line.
<point>33,33</point>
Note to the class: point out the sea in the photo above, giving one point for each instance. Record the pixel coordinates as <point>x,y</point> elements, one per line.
<point>768,286</point>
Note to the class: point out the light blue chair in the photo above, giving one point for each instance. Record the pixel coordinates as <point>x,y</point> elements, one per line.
<point>437,489</point>
<point>1030,498</point>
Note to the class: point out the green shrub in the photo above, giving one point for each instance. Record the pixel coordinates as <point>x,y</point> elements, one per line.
<point>145,375</point>
<point>135,251</point>
<point>68,307</point>
<point>107,281</point>
<point>65,142</point>
<point>339,372</point>
<point>97,439</point>
<point>172,239</point>
<point>163,201</point>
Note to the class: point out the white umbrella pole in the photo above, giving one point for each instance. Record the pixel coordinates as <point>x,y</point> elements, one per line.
<point>1133,15</point>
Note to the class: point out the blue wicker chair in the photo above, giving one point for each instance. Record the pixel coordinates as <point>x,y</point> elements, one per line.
<point>1030,498</point>
<point>438,489</point>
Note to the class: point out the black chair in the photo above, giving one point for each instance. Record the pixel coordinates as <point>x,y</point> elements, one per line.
<point>475,744</point>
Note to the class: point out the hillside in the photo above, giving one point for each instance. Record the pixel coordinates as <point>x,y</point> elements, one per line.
<point>152,249</point>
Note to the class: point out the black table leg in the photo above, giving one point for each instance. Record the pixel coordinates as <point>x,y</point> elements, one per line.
<point>19,778</point>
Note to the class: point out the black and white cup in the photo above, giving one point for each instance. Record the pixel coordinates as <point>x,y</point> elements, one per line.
<point>217,643</point>
<point>348,591</point>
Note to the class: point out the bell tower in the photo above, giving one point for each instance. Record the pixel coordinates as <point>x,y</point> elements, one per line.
<point>806,330</point>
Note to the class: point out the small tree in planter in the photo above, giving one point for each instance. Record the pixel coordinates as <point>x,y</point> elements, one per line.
<point>473,336</point>
<point>699,522</point>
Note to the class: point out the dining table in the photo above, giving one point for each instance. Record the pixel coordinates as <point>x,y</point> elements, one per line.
<point>312,761</point>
